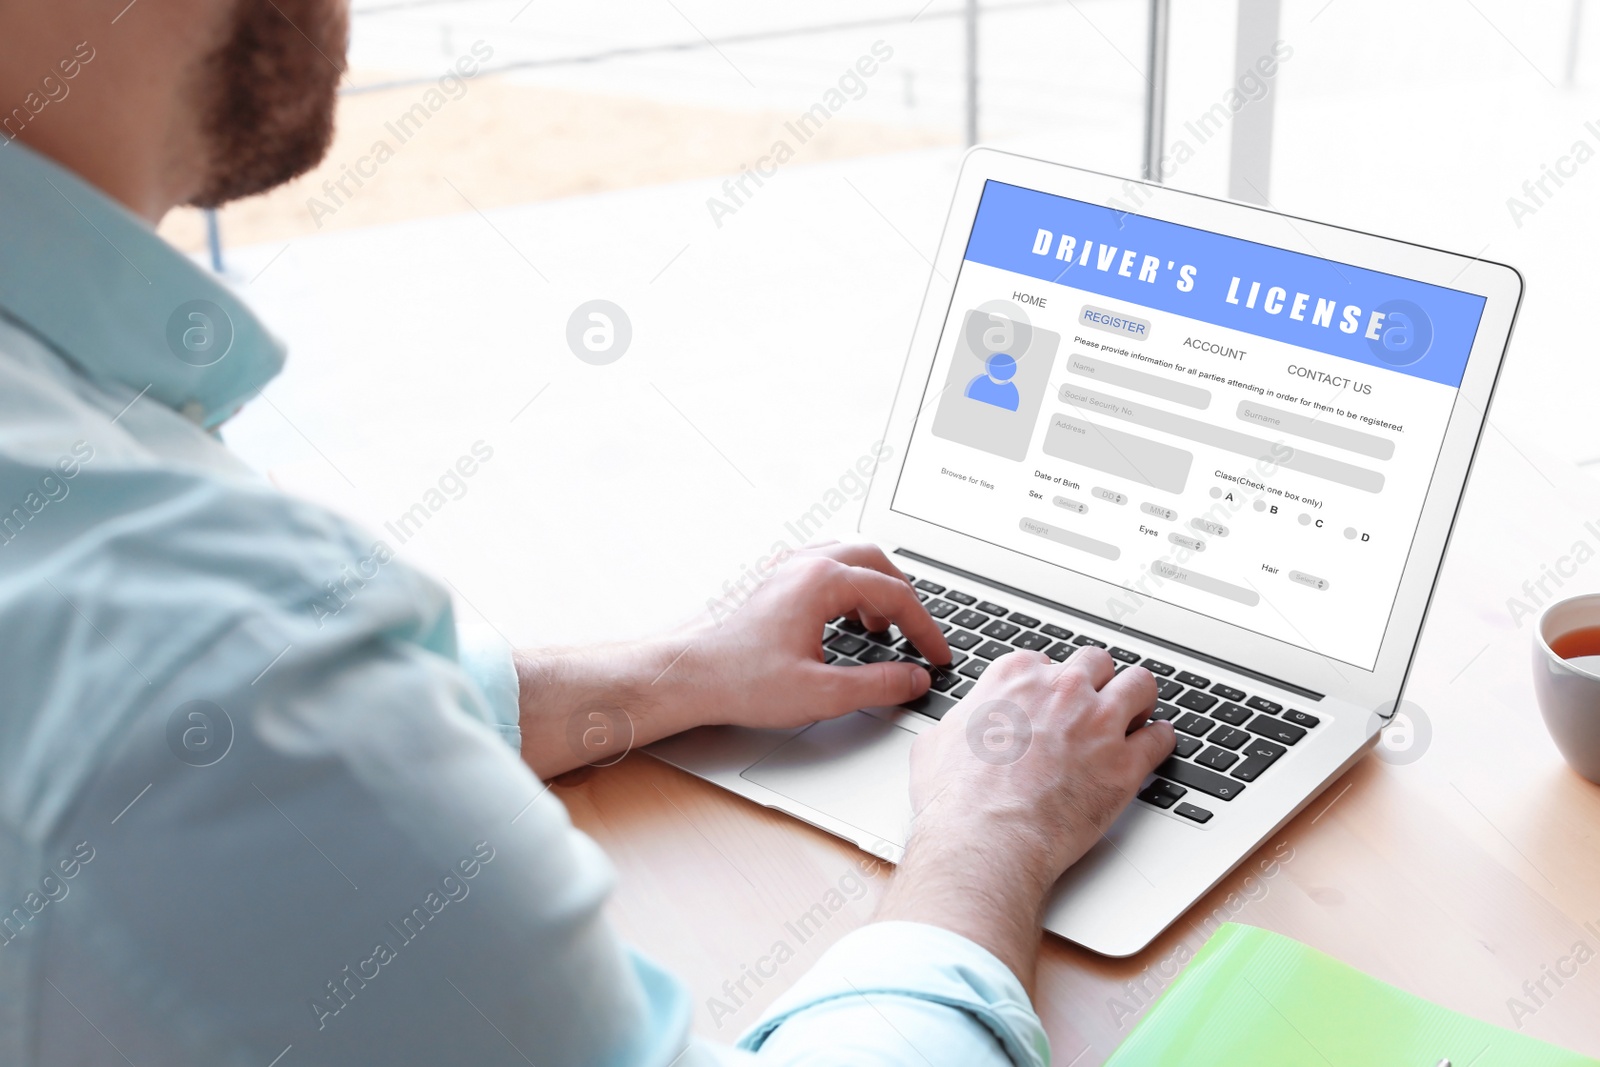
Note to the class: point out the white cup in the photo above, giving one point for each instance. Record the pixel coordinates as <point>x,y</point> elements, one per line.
<point>1569,690</point>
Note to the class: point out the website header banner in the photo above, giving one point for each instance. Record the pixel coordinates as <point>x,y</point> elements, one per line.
<point>1366,316</point>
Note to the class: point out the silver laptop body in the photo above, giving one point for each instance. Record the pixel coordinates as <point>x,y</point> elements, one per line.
<point>1220,442</point>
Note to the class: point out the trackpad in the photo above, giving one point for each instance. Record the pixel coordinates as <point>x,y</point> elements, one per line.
<point>856,768</point>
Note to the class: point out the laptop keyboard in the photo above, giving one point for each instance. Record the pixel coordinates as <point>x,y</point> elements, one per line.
<point>1226,737</point>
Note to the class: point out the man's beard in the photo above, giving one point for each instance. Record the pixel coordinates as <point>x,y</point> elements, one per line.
<point>269,93</point>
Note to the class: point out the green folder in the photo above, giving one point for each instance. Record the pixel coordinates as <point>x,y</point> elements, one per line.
<point>1251,997</point>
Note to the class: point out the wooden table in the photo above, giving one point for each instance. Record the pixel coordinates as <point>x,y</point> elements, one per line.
<point>1459,876</point>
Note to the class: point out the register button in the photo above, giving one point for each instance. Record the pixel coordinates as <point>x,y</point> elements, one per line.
<point>1111,322</point>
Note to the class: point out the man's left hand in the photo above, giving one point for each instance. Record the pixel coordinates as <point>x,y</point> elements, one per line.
<point>765,662</point>
<point>761,666</point>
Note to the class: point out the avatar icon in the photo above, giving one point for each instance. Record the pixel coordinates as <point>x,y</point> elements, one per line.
<point>995,386</point>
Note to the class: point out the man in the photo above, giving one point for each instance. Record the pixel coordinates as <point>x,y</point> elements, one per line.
<point>236,829</point>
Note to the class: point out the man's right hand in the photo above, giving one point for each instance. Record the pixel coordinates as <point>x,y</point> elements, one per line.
<point>1014,785</point>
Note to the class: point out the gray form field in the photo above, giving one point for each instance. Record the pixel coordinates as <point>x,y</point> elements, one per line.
<point>1101,448</point>
<point>1205,583</point>
<point>1311,429</point>
<point>1070,538</point>
<point>1140,381</point>
<point>1242,444</point>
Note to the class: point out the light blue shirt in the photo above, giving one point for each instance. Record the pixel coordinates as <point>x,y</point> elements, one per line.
<point>256,807</point>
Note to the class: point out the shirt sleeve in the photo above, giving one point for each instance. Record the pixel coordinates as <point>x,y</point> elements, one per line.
<point>903,993</point>
<point>895,994</point>
<point>308,843</point>
<point>486,659</point>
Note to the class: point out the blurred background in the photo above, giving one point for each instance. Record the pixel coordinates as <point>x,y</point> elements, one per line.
<point>425,273</point>
<point>1374,97</point>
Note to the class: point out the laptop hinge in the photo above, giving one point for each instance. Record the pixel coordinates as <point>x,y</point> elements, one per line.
<point>1298,690</point>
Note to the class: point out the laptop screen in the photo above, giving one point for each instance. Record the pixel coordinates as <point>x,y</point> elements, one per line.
<point>1237,429</point>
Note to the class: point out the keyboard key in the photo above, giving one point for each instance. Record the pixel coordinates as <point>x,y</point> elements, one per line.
<point>1162,794</point>
<point>944,679</point>
<point>991,650</point>
<point>921,595</point>
<point>1218,759</point>
<point>1031,641</point>
<point>1191,723</point>
<point>884,637</point>
<point>1190,678</point>
<point>1060,651</point>
<point>877,654</point>
<point>974,668</point>
<point>1124,655</point>
<point>1227,692</point>
<point>851,626</point>
<point>961,690</point>
<point>940,608</point>
<point>1195,700</point>
<point>1165,711</point>
<point>1157,668</point>
<point>933,705</point>
<point>909,651</point>
<point>1023,620</point>
<point>1189,811</point>
<point>929,587</point>
<point>969,619</point>
<point>908,576</point>
<point>1207,781</point>
<point>1258,756</point>
<point>962,639</point>
<point>1167,689</point>
<point>1231,713</point>
<point>1300,718</point>
<point>960,598</point>
<point>991,608</point>
<point>1187,746</point>
<point>846,661</point>
<point>1000,630</point>
<point>1229,738</point>
<point>1052,630</point>
<point>1280,731</point>
<point>829,656</point>
<point>1263,704</point>
<point>847,644</point>
<point>1085,639</point>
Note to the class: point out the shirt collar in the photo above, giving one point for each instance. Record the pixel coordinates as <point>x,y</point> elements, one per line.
<point>97,284</point>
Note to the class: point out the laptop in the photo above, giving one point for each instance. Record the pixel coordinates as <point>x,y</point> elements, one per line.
<point>1217,441</point>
